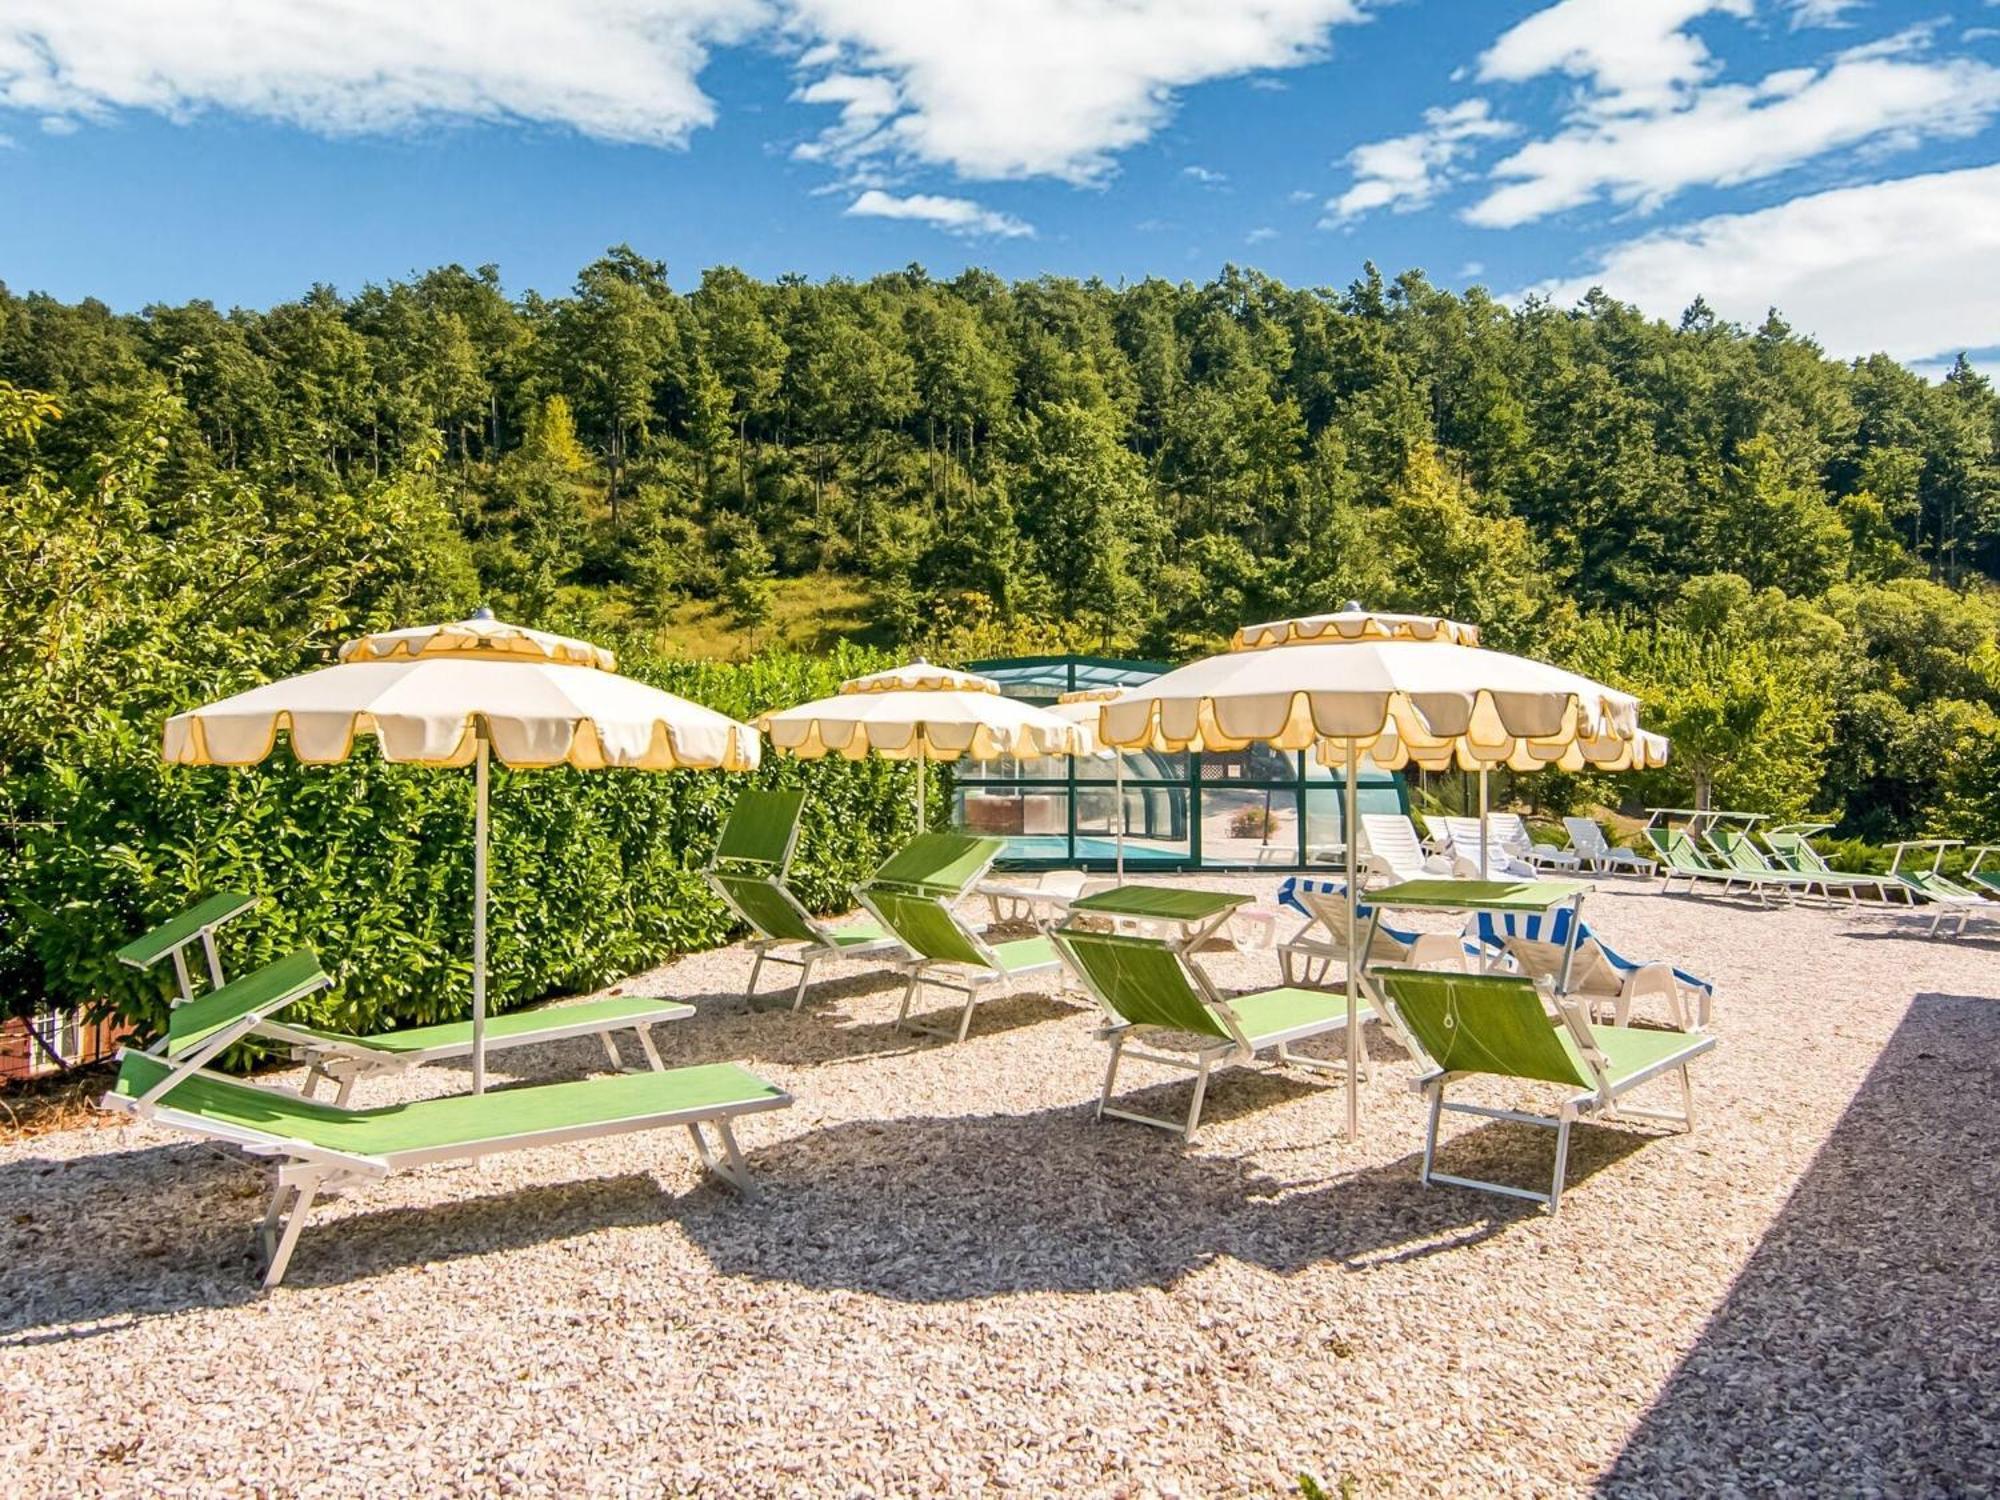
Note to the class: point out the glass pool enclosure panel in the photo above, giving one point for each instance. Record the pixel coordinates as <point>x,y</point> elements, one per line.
<point>1253,808</point>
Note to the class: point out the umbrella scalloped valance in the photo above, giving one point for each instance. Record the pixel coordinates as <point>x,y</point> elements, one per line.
<point>480,636</point>
<point>920,677</point>
<point>920,712</point>
<point>1355,625</point>
<point>426,694</point>
<point>1405,689</point>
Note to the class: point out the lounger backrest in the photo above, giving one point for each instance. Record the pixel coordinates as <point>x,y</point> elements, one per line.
<point>766,906</point>
<point>1678,850</point>
<point>1392,838</point>
<point>255,995</point>
<point>942,864</point>
<point>1139,980</point>
<point>1509,831</point>
<point>1795,850</point>
<point>1484,1023</point>
<point>1439,830</point>
<point>761,827</point>
<point>1590,972</point>
<point>1586,837</point>
<point>245,1110</point>
<point>1330,909</point>
<point>177,932</point>
<point>1465,838</point>
<point>926,926</point>
<point>1734,845</point>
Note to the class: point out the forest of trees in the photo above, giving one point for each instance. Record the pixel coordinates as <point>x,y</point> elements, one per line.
<point>1791,558</point>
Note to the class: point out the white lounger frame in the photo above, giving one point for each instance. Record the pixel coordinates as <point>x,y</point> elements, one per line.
<point>1239,1047</point>
<point>304,1171</point>
<point>964,979</point>
<point>1596,850</point>
<point>345,1063</point>
<point>805,955</point>
<point>1201,1061</point>
<point>1601,1100</point>
<point>1510,832</point>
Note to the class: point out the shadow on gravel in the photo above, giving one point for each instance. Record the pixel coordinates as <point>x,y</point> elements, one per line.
<point>1855,1354</point>
<point>165,1229</point>
<point>1918,930</point>
<point>952,1209</point>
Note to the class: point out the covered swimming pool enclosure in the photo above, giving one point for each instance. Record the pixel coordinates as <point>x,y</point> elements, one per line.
<point>1247,809</point>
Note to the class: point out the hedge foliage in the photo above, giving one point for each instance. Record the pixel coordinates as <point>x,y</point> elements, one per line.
<point>593,875</point>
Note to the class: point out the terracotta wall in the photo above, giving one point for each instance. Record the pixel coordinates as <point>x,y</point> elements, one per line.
<point>20,1058</point>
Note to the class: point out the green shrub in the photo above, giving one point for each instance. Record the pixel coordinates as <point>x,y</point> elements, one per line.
<point>594,874</point>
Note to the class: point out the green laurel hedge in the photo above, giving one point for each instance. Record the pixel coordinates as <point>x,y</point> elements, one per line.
<point>594,874</point>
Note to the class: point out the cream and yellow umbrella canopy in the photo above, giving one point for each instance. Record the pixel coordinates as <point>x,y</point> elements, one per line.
<point>923,713</point>
<point>453,695</point>
<point>1401,689</point>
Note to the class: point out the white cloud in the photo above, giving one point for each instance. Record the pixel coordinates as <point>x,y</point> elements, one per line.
<point>1043,88</point>
<point>1636,54</point>
<point>621,70</point>
<point>1727,134</point>
<point>1260,234</point>
<point>1206,176</point>
<point>1807,13</point>
<point>953,215</point>
<point>1902,267</point>
<point>1406,172</point>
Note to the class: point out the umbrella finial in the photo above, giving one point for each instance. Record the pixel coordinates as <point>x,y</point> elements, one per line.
<point>1351,607</point>
<point>484,612</point>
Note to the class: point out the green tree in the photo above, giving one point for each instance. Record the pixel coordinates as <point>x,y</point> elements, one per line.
<point>1745,727</point>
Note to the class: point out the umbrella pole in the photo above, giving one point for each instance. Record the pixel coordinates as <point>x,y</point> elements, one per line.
<point>920,789</point>
<point>479,777</point>
<point>1118,782</point>
<point>1482,820</point>
<point>1353,963</point>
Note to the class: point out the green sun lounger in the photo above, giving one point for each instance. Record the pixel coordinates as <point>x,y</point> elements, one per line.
<point>751,861</point>
<point>912,894</point>
<point>1737,851</point>
<point>344,1058</point>
<point>1147,988</point>
<point>173,937</point>
<point>1681,860</point>
<point>1987,881</point>
<point>1791,845</point>
<point>1498,1025</point>
<point>321,1146</point>
<point>1934,886</point>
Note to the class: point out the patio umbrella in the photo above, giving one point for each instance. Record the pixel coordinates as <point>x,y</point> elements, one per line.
<point>454,695</point>
<point>1401,689</point>
<point>923,713</point>
<point>1082,708</point>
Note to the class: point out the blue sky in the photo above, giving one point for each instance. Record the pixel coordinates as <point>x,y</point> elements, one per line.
<point>1839,159</point>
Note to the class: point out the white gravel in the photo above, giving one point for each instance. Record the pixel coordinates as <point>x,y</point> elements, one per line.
<point>955,1283</point>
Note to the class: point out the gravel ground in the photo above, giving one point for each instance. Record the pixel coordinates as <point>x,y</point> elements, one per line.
<point>955,1283</point>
